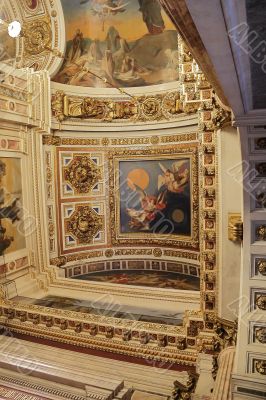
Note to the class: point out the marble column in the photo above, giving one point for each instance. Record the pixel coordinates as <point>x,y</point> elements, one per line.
<point>222,388</point>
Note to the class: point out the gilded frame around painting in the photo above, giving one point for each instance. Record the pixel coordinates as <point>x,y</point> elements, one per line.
<point>178,152</point>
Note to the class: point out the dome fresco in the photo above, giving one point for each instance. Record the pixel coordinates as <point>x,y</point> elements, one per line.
<point>127,43</point>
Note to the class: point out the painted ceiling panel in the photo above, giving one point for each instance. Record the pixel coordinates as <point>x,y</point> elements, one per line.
<point>128,44</point>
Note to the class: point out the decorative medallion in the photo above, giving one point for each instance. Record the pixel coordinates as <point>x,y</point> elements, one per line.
<point>261,169</point>
<point>260,366</point>
<point>37,36</point>
<point>151,108</point>
<point>84,224</point>
<point>157,252</point>
<point>82,173</point>
<point>261,266</point>
<point>260,143</point>
<point>261,199</point>
<point>261,335</point>
<point>261,232</point>
<point>261,302</point>
<point>109,253</point>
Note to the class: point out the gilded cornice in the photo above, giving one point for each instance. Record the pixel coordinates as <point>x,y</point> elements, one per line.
<point>139,108</point>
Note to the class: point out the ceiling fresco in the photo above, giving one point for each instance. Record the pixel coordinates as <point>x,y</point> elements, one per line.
<point>127,43</point>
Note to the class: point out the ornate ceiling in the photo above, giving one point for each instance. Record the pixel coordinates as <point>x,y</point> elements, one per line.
<point>123,183</point>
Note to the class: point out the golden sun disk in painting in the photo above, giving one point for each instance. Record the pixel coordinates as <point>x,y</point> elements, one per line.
<point>138,177</point>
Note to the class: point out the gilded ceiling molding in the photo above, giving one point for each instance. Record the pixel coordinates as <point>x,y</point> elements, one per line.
<point>164,343</point>
<point>118,252</point>
<point>197,89</point>
<point>140,108</point>
<point>53,140</point>
<point>180,16</point>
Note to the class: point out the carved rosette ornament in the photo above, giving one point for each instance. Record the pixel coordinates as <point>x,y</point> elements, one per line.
<point>261,232</point>
<point>261,199</point>
<point>84,224</point>
<point>82,174</point>
<point>261,335</point>
<point>37,36</point>
<point>261,302</point>
<point>260,366</point>
<point>261,143</point>
<point>151,108</point>
<point>261,265</point>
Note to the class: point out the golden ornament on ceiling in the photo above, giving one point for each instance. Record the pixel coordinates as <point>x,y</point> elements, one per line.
<point>82,174</point>
<point>260,366</point>
<point>261,265</point>
<point>84,224</point>
<point>261,335</point>
<point>261,302</point>
<point>37,36</point>
<point>261,232</point>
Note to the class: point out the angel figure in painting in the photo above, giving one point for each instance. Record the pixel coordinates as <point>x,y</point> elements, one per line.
<point>105,8</point>
<point>174,179</point>
<point>150,207</point>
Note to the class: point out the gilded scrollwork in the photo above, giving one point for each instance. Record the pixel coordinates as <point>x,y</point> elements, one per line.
<point>140,108</point>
